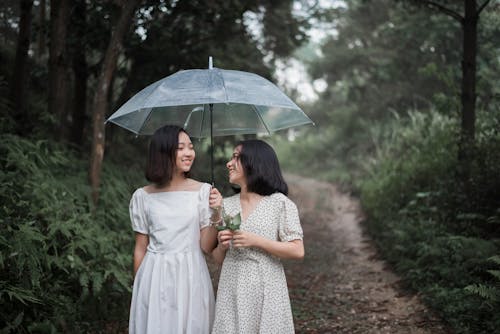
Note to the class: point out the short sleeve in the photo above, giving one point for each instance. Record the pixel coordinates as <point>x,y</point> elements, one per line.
<point>137,212</point>
<point>205,212</point>
<point>289,227</point>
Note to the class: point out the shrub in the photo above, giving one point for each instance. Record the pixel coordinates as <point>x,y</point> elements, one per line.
<point>439,232</point>
<point>63,267</point>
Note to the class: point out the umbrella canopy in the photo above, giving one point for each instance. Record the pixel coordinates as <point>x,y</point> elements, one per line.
<point>242,102</point>
<point>208,103</point>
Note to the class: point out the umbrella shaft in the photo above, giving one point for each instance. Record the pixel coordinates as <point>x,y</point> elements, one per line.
<point>211,107</point>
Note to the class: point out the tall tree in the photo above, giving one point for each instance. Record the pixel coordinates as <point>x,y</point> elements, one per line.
<point>41,40</point>
<point>58,63</point>
<point>80,71</point>
<point>380,62</point>
<point>100,101</point>
<point>468,21</point>
<point>283,32</point>
<point>18,87</point>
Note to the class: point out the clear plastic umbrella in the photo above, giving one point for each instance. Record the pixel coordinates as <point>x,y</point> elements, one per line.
<point>211,102</point>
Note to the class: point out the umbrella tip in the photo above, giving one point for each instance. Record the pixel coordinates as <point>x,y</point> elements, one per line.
<point>210,62</point>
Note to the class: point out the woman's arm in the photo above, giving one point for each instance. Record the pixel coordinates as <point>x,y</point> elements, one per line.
<point>208,239</point>
<point>283,249</point>
<point>219,252</point>
<point>141,245</point>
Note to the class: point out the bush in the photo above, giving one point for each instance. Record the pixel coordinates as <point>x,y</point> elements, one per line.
<point>439,232</point>
<point>63,267</point>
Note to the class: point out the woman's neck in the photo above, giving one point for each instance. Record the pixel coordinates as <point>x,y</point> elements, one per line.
<point>177,179</point>
<point>248,196</point>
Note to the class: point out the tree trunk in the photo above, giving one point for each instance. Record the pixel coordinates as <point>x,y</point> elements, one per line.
<point>468,126</point>
<point>40,49</point>
<point>18,85</point>
<point>99,105</point>
<point>80,70</point>
<point>469,79</point>
<point>58,63</point>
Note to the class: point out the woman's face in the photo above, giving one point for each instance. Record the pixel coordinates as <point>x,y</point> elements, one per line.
<point>236,174</point>
<point>185,153</point>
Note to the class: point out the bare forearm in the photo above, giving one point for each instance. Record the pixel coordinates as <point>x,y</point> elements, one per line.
<point>219,254</point>
<point>141,246</point>
<point>138,257</point>
<point>282,249</point>
<point>208,239</point>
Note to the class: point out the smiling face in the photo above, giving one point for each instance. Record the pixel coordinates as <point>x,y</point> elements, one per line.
<point>185,154</point>
<point>236,173</point>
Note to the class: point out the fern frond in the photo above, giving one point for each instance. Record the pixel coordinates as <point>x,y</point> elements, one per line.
<point>495,259</point>
<point>487,292</point>
<point>495,273</point>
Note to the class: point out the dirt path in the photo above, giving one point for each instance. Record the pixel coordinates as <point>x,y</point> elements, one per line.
<point>342,286</point>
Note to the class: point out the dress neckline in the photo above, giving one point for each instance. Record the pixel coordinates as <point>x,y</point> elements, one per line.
<point>251,213</point>
<point>172,191</point>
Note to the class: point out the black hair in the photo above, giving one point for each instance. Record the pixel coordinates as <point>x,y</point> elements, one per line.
<point>162,154</point>
<point>261,167</point>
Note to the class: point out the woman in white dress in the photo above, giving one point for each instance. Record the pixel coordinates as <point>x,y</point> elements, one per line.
<point>252,295</point>
<point>172,290</point>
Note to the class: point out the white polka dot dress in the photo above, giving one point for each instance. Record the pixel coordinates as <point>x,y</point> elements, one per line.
<point>252,294</point>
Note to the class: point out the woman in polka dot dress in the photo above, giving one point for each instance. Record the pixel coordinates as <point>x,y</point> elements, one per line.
<point>252,294</point>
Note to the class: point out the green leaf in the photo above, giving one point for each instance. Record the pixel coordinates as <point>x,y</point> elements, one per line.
<point>237,219</point>
<point>227,219</point>
<point>495,273</point>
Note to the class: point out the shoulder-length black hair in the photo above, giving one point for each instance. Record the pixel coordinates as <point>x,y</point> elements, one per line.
<point>162,154</point>
<point>261,167</point>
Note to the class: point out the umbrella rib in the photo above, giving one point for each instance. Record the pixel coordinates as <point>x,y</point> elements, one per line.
<point>260,117</point>
<point>145,121</point>
<point>158,83</point>
<point>202,120</point>
<point>223,85</point>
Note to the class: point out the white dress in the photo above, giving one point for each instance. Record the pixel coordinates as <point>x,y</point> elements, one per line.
<point>252,296</point>
<point>172,290</point>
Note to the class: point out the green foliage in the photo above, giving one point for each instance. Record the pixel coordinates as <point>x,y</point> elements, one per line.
<point>63,267</point>
<point>439,232</point>
<point>489,291</point>
<point>436,228</point>
<point>181,35</point>
<point>412,138</point>
<point>386,58</point>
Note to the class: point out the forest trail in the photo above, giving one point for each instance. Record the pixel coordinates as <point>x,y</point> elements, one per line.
<point>342,286</point>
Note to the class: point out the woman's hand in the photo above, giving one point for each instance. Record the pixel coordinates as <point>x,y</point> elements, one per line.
<point>215,203</point>
<point>225,237</point>
<point>245,239</point>
<point>215,199</point>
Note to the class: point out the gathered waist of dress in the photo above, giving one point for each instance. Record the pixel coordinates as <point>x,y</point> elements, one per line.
<point>174,251</point>
<point>252,254</point>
